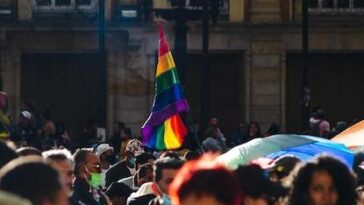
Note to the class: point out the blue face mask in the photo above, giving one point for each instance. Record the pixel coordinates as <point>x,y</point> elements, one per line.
<point>166,200</point>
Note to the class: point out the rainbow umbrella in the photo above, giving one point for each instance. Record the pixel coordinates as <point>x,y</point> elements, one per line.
<point>302,146</point>
<point>353,137</point>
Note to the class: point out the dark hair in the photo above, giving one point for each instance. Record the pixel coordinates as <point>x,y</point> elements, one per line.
<point>27,151</point>
<point>192,155</point>
<point>273,129</point>
<point>31,179</point>
<point>342,178</point>
<point>200,178</point>
<point>80,157</point>
<point>120,124</point>
<point>7,154</point>
<point>127,131</point>
<point>143,158</point>
<point>259,131</point>
<point>143,170</point>
<point>171,154</point>
<point>165,163</point>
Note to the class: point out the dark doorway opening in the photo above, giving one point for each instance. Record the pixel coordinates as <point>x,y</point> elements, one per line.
<point>336,83</point>
<point>70,85</point>
<point>227,88</point>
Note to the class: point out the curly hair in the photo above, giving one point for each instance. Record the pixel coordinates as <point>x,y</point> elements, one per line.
<point>343,180</point>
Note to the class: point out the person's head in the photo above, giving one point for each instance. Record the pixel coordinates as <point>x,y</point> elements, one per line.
<point>341,126</point>
<point>3,101</point>
<point>257,187</point>
<point>214,122</point>
<point>323,181</point>
<point>165,169</point>
<point>171,154</point>
<point>7,154</point>
<point>28,151</point>
<point>25,117</point>
<point>282,167</point>
<point>272,130</point>
<point>134,148</point>
<point>87,167</point>
<point>118,193</point>
<point>203,182</point>
<point>254,130</point>
<point>144,158</point>
<point>118,127</point>
<point>106,154</point>
<point>62,161</point>
<point>191,155</point>
<point>31,178</point>
<point>145,174</point>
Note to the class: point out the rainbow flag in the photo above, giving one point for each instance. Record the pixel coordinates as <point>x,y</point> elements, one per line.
<point>164,129</point>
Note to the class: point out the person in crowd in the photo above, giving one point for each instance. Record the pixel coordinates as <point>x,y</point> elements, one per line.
<point>61,160</point>
<point>254,130</point>
<point>4,119</point>
<point>191,155</point>
<point>272,130</point>
<point>358,168</point>
<point>24,134</point>
<point>258,189</point>
<point>282,167</point>
<point>143,174</point>
<point>86,186</point>
<point>32,179</point>
<point>143,196</point>
<point>126,167</point>
<point>169,153</point>
<point>239,136</point>
<point>202,182</point>
<point>27,151</point>
<point>339,127</point>
<point>165,170</point>
<point>7,198</point>
<point>118,193</point>
<point>107,159</point>
<point>48,132</point>
<point>6,154</point>
<point>214,139</point>
<point>319,126</point>
<point>89,134</point>
<point>126,137</point>
<point>115,139</point>
<point>325,180</point>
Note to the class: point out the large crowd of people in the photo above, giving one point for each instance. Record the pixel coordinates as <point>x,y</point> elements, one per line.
<point>41,167</point>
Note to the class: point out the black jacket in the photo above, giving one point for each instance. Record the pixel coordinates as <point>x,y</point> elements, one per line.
<point>116,172</point>
<point>83,195</point>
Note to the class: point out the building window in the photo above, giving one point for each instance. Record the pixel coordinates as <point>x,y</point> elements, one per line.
<point>336,6</point>
<point>64,5</point>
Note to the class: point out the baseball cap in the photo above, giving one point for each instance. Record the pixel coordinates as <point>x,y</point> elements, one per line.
<point>102,148</point>
<point>26,114</point>
<point>283,165</point>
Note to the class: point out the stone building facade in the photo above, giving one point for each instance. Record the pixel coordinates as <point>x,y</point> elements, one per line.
<point>255,55</point>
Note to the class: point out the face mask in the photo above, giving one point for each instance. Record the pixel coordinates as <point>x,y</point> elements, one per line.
<point>111,159</point>
<point>95,180</point>
<point>132,161</point>
<point>166,200</point>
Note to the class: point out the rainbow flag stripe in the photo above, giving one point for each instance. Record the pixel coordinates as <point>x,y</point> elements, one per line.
<point>164,128</point>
